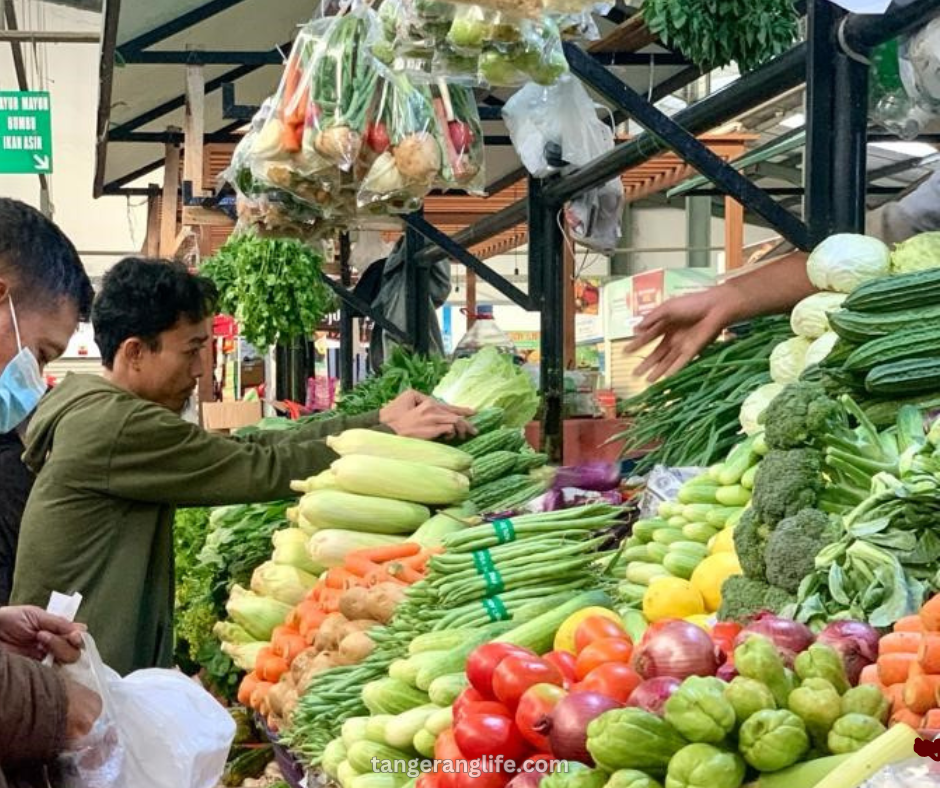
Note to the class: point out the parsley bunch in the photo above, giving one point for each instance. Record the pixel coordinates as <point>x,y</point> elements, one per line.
<point>271,286</point>
<point>716,33</point>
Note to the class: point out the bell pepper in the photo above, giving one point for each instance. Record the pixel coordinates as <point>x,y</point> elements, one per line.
<point>822,662</point>
<point>817,703</point>
<point>852,732</point>
<point>773,740</point>
<point>705,766</point>
<point>747,697</point>
<point>757,658</point>
<point>700,711</point>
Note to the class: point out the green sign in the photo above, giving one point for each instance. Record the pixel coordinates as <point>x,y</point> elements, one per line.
<point>25,132</point>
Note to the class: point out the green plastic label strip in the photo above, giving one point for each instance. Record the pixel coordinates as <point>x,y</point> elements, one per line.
<point>495,609</point>
<point>483,561</point>
<point>504,530</point>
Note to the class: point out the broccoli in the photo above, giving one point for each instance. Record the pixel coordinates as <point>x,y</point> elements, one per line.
<point>787,481</point>
<point>800,415</point>
<point>750,540</point>
<point>742,598</point>
<point>791,549</point>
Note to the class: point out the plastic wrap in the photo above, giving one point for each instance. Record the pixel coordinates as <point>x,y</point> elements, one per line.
<point>663,484</point>
<point>912,773</point>
<point>460,134</point>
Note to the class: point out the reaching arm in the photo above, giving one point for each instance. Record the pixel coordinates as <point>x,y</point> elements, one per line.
<point>34,711</point>
<point>688,323</point>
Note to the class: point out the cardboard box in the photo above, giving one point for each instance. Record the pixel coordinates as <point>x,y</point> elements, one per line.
<point>228,416</point>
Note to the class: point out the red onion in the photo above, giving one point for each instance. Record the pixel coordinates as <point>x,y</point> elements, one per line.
<point>598,476</point>
<point>526,780</point>
<point>675,648</point>
<point>727,672</point>
<point>856,642</point>
<point>652,694</point>
<point>790,637</point>
<point>567,732</point>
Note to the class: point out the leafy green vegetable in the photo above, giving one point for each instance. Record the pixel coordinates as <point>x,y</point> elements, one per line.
<point>402,371</point>
<point>272,286</point>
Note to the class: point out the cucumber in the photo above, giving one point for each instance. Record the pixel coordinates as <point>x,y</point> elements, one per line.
<point>739,460</point>
<point>423,743</point>
<point>491,467</point>
<point>698,532</point>
<point>698,492</point>
<point>440,721</point>
<point>446,689</point>
<point>631,593</point>
<point>503,439</point>
<point>644,574</point>
<point>747,481</point>
<point>676,521</point>
<point>637,553</point>
<point>668,535</point>
<point>680,565</point>
<point>440,641</point>
<point>719,515</point>
<point>456,659</point>
<point>895,293</point>
<point>657,552</point>
<point>696,512</point>
<point>733,495</point>
<point>914,376</point>
<point>539,633</point>
<point>644,529</point>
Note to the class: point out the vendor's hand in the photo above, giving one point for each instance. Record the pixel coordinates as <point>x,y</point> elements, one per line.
<point>414,415</point>
<point>32,632</point>
<point>686,324</point>
<point>84,708</point>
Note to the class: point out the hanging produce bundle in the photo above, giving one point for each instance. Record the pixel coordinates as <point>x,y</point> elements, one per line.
<point>691,417</point>
<point>271,286</point>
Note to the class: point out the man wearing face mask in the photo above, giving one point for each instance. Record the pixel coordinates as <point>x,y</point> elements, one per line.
<point>114,460</point>
<point>43,292</point>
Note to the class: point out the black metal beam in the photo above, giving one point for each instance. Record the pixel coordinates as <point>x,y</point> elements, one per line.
<point>196,57</point>
<point>232,110</point>
<point>751,90</point>
<point>345,318</point>
<point>164,137</point>
<point>363,309</point>
<point>483,230</point>
<point>417,294</point>
<point>175,26</point>
<point>849,145</point>
<point>640,59</point>
<point>862,32</point>
<point>790,191</point>
<point>683,143</point>
<point>452,248</point>
<point>505,181</point>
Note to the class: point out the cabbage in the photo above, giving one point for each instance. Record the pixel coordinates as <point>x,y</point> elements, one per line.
<point>821,348</point>
<point>755,404</point>
<point>257,614</point>
<point>788,360</point>
<point>916,254</point>
<point>810,317</point>
<point>489,378</point>
<point>843,262</point>
<point>244,655</point>
<point>286,584</point>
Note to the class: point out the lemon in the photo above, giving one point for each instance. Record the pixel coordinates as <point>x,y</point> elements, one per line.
<point>672,597</point>
<point>703,621</point>
<point>564,637</point>
<point>710,575</point>
<point>722,542</point>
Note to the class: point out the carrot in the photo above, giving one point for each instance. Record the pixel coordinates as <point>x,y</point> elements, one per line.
<point>920,693</point>
<point>386,553</point>
<point>247,688</point>
<point>929,654</point>
<point>930,614</point>
<point>289,646</point>
<point>869,675</point>
<point>909,624</point>
<point>401,571</point>
<point>900,643</point>
<point>305,614</point>
<point>378,575</point>
<point>895,693</point>
<point>269,666</point>
<point>894,668</point>
<point>932,720</point>
<point>907,717</point>
<point>359,566</point>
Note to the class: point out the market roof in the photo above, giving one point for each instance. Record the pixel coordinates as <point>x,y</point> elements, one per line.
<point>146,45</point>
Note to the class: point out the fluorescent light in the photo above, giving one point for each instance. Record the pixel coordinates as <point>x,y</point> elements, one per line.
<point>794,121</point>
<point>917,150</point>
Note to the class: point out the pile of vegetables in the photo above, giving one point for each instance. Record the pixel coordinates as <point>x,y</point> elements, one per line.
<point>402,370</point>
<point>691,417</point>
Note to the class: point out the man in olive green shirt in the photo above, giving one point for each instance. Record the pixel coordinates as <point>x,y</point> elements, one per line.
<point>114,460</point>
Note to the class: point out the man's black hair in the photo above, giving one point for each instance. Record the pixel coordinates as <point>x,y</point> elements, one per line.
<point>143,298</point>
<point>40,262</point>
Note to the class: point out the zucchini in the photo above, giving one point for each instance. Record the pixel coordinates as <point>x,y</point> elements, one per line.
<point>491,467</point>
<point>914,376</point>
<point>390,696</point>
<point>446,689</point>
<point>861,327</point>
<point>539,633</point>
<point>360,755</point>
<point>894,293</point>
<point>900,346</point>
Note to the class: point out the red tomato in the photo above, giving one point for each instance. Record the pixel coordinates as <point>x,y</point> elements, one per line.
<point>446,749</point>
<point>489,735</point>
<point>484,660</point>
<point>378,138</point>
<point>614,679</point>
<point>483,707</point>
<point>534,710</point>
<point>602,651</point>
<point>724,634</point>
<point>539,757</point>
<point>596,628</point>
<point>485,779</point>
<point>468,696</point>
<point>514,675</point>
<point>428,780</point>
<point>565,661</point>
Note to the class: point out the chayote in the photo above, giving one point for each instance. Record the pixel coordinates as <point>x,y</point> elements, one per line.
<point>773,740</point>
<point>757,658</point>
<point>632,739</point>
<point>866,699</point>
<point>822,662</point>
<point>699,710</point>
<point>817,703</point>
<point>573,774</point>
<point>747,697</point>
<point>704,766</point>
<point>631,778</point>
<point>852,732</point>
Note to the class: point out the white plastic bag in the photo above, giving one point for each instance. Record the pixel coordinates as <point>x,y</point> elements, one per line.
<point>159,729</point>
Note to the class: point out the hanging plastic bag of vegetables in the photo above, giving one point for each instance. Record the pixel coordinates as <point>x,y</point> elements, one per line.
<point>535,54</point>
<point>410,159</point>
<point>345,77</point>
<point>460,135</point>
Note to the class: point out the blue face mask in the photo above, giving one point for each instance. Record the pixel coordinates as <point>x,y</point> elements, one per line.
<point>21,384</point>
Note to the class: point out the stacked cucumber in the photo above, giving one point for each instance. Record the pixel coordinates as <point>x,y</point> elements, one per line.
<point>677,540</point>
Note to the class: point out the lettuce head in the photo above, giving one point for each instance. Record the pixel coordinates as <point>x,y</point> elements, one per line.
<point>916,254</point>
